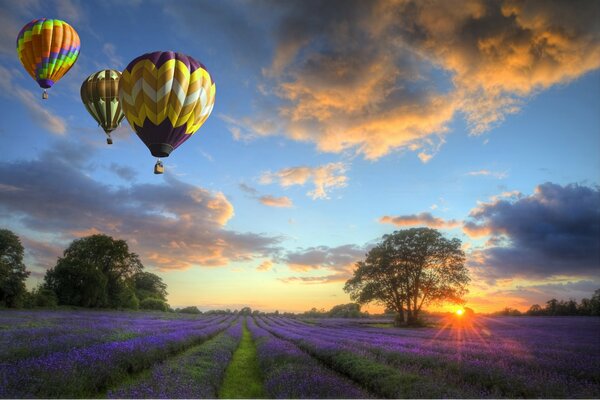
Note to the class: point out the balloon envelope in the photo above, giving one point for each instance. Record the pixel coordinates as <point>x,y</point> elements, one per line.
<point>47,48</point>
<point>166,97</point>
<point>100,96</point>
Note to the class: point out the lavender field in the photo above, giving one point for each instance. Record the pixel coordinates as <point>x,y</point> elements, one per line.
<point>51,354</point>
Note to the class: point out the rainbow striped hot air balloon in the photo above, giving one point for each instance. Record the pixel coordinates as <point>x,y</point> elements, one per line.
<point>166,97</point>
<point>47,48</point>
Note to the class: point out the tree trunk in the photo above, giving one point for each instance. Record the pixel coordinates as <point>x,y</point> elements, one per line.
<point>399,319</point>
<point>414,318</point>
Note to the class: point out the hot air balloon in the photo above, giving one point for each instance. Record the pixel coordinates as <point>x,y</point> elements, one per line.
<point>166,97</point>
<point>100,96</point>
<point>47,48</point>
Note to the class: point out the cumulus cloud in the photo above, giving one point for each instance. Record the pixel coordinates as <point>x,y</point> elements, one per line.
<point>555,231</point>
<point>172,225</point>
<point>379,76</point>
<point>421,219</point>
<point>324,178</point>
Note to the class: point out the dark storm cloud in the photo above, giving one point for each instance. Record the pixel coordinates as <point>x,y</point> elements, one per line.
<point>555,231</point>
<point>172,225</point>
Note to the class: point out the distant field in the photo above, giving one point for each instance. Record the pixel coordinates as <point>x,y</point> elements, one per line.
<point>162,355</point>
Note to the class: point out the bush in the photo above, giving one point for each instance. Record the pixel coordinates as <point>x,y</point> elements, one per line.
<point>189,310</point>
<point>154,304</point>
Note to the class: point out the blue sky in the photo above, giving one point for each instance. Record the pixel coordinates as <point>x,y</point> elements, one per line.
<point>334,124</point>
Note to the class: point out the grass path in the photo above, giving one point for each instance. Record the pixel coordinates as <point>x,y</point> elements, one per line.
<point>243,378</point>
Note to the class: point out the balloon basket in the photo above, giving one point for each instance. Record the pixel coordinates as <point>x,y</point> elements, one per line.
<point>45,95</point>
<point>159,168</point>
<point>109,141</point>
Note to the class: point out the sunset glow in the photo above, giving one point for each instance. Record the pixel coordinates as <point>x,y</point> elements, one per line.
<point>479,121</point>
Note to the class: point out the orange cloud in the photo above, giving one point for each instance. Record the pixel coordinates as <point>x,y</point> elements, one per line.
<point>476,231</point>
<point>324,178</point>
<point>422,219</point>
<point>265,265</point>
<point>173,225</point>
<point>273,201</point>
<point>382,76</point>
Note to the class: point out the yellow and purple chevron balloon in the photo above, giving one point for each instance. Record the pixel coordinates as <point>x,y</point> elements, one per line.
<point>47,48</point>
<point>166,97</point>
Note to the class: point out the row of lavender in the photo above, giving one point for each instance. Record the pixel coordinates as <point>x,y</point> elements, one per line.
<point>35,333</point>
<point>197,373</point>
<point>87,353</point>
<point>481,358</point>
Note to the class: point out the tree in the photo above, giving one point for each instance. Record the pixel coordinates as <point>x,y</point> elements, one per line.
<point>12,269</point>
<point>189,310</point>
<point>552,307</point>
<point>409,269</point>
<point>535,309</point>
<point>350,310</point>
<point>149,285</point>
<point>595,303</point>
<point>95,271</point>
<point>153,304</point>
<point>246,311</point>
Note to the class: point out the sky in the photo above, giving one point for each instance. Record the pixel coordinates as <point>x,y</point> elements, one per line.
<point>334,124</point>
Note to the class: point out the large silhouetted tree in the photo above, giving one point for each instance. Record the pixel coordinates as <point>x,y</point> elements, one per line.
<point>12,269</point>
<point>409,269</point>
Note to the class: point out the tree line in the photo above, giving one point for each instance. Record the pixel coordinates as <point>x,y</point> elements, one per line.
<point>554,307</point>
<point>96,271</point>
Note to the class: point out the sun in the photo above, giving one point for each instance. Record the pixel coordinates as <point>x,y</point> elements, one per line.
<point>460,312</point>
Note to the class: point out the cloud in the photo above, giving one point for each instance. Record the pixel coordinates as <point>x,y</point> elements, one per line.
<point>114,60</point>
<point>124,172</point>
<point>39,114</point>
<point>267,200</point>
<point>421,219</point>
<point>265,266</point>
<point>249,189</point>
<point>273,201</point>
<point>487,172</point>
<point>338,262</point>
<point>524,296</point>
<point>555,231</point>
<point>70,10</point>
<point>324,178</point>
<point>381,76</point>
<point>171,224</point>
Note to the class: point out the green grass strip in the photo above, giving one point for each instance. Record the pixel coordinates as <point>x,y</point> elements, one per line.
<point>243,378</point>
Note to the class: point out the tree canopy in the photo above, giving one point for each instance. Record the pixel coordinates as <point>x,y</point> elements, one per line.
<point>99,271</point>
<point>12,269</point>
<point>409,269</point>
